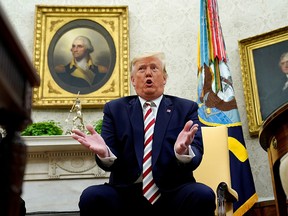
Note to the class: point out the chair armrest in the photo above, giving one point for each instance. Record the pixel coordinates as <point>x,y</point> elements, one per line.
<point>225,194</point>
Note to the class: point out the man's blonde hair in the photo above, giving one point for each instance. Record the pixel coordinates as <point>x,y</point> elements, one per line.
<point>158,55</point>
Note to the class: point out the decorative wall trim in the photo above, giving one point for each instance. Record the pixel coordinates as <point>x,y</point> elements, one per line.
<point>59,157</point>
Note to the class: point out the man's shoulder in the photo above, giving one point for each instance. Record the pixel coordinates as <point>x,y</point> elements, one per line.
<point>125,100</point>
<point>60,68</point>
<point>176,99</point>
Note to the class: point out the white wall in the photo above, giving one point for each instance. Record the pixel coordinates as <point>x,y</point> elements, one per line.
<point>171,26</point>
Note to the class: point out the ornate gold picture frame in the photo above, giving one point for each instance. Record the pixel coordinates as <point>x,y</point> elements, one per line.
<point>262,76</point>
<point>106,37</point>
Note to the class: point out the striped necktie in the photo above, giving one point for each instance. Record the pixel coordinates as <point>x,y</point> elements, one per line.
<point>150,190</point>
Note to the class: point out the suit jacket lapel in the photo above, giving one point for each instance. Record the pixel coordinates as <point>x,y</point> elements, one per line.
<point>164,114</point>
<point>136,118</point>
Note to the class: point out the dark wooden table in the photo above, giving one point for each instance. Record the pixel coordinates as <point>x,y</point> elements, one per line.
<point>273,137</point>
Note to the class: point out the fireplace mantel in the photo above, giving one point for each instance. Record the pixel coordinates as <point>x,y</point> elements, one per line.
<point>59,157</point>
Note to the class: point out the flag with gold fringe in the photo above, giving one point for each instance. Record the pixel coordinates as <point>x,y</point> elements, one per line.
<point>217,103</point>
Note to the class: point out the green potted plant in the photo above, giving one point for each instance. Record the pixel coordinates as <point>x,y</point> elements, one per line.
<point>43,128</point>
<point>98,126</point>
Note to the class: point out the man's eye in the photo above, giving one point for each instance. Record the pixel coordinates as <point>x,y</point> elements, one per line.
<point>154,68</point>
<point>141,69</point>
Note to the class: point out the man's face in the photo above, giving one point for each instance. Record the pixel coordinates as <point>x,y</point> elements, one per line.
<point>284,64</point>
<point>148,78</point>
<point>78,50</point>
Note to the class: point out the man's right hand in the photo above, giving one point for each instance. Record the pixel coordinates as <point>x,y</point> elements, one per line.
<point>93,141</point>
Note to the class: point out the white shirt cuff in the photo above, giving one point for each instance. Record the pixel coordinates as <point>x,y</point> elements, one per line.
<point>108,161</point>
<point>185,158</point>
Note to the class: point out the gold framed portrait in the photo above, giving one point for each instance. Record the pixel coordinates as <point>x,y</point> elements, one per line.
<point>262,59</point>
<point>83,52</point>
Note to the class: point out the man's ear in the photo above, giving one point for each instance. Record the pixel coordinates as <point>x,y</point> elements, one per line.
<point>165,79</point>
<point>132,81</point>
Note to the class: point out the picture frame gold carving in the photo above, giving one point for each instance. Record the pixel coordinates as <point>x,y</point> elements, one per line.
<point>261,75</point>
<point>56,28</point>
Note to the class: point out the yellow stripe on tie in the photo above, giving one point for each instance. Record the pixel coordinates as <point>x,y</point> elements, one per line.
<point>237,149</point>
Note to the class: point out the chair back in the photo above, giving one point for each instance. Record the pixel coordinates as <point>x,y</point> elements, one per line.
<point>215,165</point>
<point>283,172</point>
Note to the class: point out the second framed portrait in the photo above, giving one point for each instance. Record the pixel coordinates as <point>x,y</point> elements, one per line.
<point>81,52</point>
<point>264,64</point>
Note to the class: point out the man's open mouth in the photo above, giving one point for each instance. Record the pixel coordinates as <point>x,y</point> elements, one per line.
<point>149,81</point>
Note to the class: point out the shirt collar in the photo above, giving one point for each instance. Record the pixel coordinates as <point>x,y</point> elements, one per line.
<point>156,101</point>
<point>73,63</point>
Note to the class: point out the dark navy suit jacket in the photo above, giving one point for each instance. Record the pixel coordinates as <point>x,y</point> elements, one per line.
<point>123,132</point>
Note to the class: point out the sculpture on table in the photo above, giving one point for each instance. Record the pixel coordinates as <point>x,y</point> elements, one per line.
<point>78,109</point>
<point>78,122</point>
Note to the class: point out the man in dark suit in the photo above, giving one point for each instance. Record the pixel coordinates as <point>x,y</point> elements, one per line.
<point>283,63</point>
<point>81,71</point>
<point>274,92</point>
<point>177,150</point>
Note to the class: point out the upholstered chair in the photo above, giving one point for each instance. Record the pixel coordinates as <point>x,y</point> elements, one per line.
<point>214,169</point>
<point>283,172</point>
